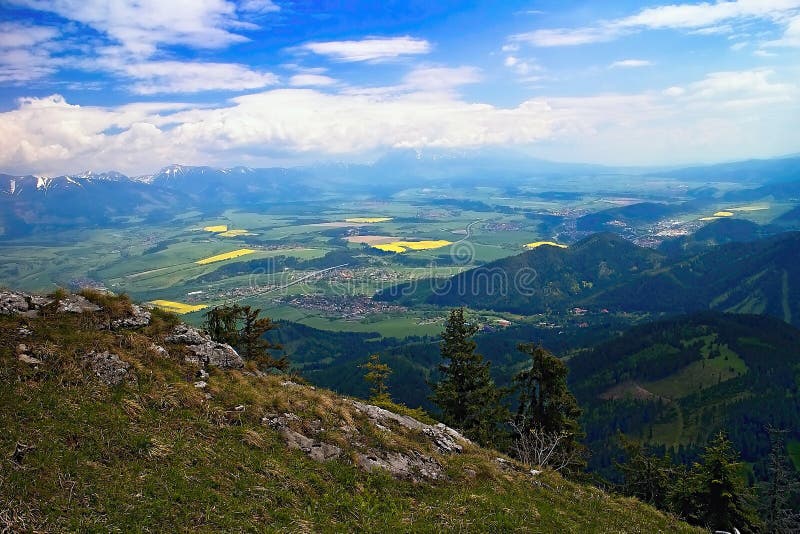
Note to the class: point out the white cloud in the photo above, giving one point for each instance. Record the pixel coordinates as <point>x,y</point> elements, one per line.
<point>680,124</point>
<point>631,64</point>
<point>186,77</point>
<point>141,26</point>
<point>311,80</point>
<point>791,37</point>
<point>674,91</point>
<point>521,66</point>
<point>258,6</point>
<point>738,46</point>
<point>24,52</point>
<point>567,37</point>
<point>703,17</point>
<point>370,49</point>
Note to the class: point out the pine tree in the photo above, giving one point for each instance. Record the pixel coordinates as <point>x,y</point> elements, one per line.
<point>547,407</point>
<point>723,501</point>
<point>466,394</point>
<point>646,476</point>
<point>377,374</point>
<point>780,493</point>
<point>241,328</point>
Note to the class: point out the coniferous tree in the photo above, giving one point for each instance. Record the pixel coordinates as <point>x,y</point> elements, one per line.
<point>547,407</point>
<point>779,494</point>
<point>466,393</point>
<point>376,375</point>
<point>723,501</point>
<point>242,328</point>
<point>646,476</point>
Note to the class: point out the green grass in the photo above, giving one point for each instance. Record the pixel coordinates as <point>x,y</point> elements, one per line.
<point>699,375</point>
<point>157,455</point>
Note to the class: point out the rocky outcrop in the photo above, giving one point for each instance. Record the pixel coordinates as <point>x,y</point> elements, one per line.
<point>76,304</point>
<point>109,368</point>
<point>205,352</point>
<point>138,318</point>
<point>411,465</point>
<point>446,439</point>
<point>184,334</point>
<point>18,303</point>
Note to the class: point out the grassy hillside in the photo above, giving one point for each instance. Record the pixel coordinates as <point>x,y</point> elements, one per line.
<point>674,383</point>
<point>170,449</point>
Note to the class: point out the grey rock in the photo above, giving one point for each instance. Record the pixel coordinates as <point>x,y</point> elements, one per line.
<point>109,368</point>
<point>139,318</point>
<point>13,303</point>
<point>76,304</point>
<point>186,335</point>
<point>316,450</point>
<point>410,466</point>
<point>213,354</point>
<point>446,439</point>
<point>205,352</point>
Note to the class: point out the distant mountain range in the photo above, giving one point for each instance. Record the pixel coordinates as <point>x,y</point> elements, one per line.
<point>101,198</point>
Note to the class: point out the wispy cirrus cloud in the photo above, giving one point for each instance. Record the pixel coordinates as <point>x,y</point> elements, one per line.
<point>131,33</point>
<point>142,26</point>
<point>703,17</point>
<point>369,49</point>
<point>630,64</point>
<point>24,52</point>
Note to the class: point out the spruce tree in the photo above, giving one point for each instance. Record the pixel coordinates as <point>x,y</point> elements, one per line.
<point>723,500</point>
<point>466,393</point>
<point>646,476</point>
<point>376,375</point>
<point>243,329</point>
<point>546,405</point>
<point>781,492</point>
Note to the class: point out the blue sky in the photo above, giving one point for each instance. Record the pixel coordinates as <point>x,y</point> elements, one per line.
<point>135,85</point>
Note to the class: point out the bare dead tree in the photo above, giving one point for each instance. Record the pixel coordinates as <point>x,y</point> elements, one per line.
<point>536,447</point>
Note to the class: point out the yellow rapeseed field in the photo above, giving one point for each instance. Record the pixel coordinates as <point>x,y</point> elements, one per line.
<point>217,228</point>
<point>368,219</point>
<point>234,233</point>
<point>404,246</point>
<point>536,244</point>
<point>225,256</point>
<point>177,307</point>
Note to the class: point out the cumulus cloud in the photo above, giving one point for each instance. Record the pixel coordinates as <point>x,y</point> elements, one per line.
<point>692,122</point>
<point>370,49</point>
<point>703,17</point>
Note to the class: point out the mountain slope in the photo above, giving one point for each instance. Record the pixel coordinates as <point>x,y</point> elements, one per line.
<point>111,427</point>
<point>675,382</point>
<point>540,279</point>
<point>756,277</point>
